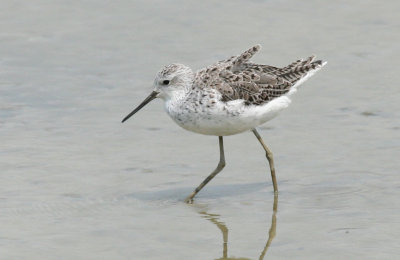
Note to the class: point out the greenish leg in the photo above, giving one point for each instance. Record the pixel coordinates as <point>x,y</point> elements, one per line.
<point>270,160</point>
<point>220,166</point>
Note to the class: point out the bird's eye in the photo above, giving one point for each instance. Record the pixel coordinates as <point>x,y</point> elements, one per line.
<point>165,82</point>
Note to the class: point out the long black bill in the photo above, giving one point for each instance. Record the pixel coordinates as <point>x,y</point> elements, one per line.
<point>152,96</point>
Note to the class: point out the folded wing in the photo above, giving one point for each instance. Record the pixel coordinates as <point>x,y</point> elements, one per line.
<point>237,78</point>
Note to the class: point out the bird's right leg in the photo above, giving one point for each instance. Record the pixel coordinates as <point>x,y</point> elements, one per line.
<point>270,160</point>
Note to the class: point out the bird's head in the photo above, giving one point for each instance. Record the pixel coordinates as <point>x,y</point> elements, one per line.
<point>171,81</point>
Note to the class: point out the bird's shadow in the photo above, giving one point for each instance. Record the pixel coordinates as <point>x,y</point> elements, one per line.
<point>209,192</point>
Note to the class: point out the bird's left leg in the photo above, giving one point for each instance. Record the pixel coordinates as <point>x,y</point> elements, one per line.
<point>220,166</point>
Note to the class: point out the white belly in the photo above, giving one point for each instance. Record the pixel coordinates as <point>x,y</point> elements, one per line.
<point>224,119</point>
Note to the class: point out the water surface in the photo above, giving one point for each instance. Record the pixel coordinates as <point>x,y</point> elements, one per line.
<point>78,184</point>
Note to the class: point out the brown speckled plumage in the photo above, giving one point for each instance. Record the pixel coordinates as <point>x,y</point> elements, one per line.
<point>237,78</point>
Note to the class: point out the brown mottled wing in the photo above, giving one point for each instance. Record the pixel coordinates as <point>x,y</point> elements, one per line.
<point>228,72</point>
<point>236,78</point>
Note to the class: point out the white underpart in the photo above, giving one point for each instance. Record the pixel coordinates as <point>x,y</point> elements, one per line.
<point>228,118</point>
<point>236,117</point>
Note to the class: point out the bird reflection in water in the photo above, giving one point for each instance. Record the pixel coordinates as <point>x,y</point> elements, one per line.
<point>271,234</point>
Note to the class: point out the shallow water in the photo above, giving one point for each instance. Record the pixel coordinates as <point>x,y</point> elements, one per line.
<point>78,184</point>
